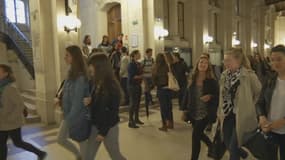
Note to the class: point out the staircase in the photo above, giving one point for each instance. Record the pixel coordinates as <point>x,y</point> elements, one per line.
<point>29,97</point>
<point>17,41</point>
<point>20,45</point>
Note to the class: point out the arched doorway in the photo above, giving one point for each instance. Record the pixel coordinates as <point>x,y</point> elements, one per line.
<point>114,22</point>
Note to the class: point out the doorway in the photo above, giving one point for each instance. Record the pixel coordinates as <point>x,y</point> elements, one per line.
<point>114,22</point>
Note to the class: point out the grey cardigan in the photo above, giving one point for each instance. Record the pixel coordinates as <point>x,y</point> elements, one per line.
<point>11,112</point>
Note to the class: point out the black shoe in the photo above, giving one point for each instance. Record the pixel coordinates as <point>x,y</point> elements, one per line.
<point>243,154</point>
<point>42,156</point>
<point>133,125</point>
<point>139,122</point>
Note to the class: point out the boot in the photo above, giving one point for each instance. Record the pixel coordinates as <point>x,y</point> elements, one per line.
<point>169,124</point>
<point>133,125</point>
<point>139,122</point>
<point>164,127</point>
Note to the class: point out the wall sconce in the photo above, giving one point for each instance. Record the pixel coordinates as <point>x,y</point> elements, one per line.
<point>254,44</point>
<point>71,23</point>
<point>235,42</point>
<point>208,39</point>
<point>160,33</point>
<point>266,46</point>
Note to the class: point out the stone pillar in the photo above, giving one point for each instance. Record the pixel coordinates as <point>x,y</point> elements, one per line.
<point>158,14</point>
<point>225,21</point>
<point>173,18</point>
<point>261,29</point>
<point>246,26</point>
<point>199,20</point>
<point>148,11</point>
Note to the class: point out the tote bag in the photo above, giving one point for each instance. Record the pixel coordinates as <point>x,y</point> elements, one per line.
<point>172,82</point>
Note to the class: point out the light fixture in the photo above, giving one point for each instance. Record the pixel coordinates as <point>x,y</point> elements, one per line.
<point>235,42</point>
<point>254,44</point>
<point>266,46</point>
<point>71,23</point>
<point>160,33</point>
<point>208,39</point>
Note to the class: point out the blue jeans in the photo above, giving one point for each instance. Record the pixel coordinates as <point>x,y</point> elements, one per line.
<point>135,99</point>
<point>124,85</point>
<point>230,138</point>
<point>165,101</point>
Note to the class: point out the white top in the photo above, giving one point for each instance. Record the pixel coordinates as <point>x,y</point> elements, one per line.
<point>124,66</point>
<point>277,108</point>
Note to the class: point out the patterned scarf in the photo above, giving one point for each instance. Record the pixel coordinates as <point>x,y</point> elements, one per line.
<point>3,84</point>
<point>232,83</point>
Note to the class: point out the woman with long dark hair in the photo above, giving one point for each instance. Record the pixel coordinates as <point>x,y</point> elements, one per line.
<point>11,113</point>
<point>200,103</point>
<point>75,89</point>
<point>160,79</point>
<point>106,97</point>
<point>135,76</point>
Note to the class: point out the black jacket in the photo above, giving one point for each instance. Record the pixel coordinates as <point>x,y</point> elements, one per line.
<point>264,101</point>
<point>180,69</point>
<point>210,86</point>
<point>105,111</point>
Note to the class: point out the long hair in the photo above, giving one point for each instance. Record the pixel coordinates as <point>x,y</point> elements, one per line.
<point>169,58</point>
<point>8,70</point>
<point>78,66</point>
<point>107,40</point>
<point>85,39</point>
<point>209,72</point>
<point>160,63</point>
<point>240,56</point>
<point>133,54</point>
<point>104,77</point>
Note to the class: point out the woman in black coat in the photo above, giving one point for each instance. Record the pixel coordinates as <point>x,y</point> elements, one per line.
<point>200,103</point>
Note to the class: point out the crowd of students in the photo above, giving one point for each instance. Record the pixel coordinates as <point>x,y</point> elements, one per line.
<point>100,80</point>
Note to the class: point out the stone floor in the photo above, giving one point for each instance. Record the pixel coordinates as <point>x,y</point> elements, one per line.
<point>145,143</point>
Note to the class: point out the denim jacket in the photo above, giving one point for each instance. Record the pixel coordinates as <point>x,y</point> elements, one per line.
<point>74,91</point>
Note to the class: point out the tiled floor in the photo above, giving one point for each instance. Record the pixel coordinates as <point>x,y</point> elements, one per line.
<point>145,143</point>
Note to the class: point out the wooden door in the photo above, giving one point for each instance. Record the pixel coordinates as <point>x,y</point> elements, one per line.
<point>114,22</point>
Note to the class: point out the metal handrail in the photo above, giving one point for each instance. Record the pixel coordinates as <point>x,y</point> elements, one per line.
<point>16,33</point>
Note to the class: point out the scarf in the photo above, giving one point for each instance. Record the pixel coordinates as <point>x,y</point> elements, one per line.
<point>3,84</point>
<point>232,83</point>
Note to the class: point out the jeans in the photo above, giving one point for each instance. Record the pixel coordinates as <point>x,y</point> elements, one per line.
<point>124,84</point>
<point>16,137</point>
<point>135,99</point>
<point>165,101</point>
<point>181,94</point>
<point>147,92</point>
<point>111,143</point>
<point>230,138</point>
<point>279,139</point>
<point>198,135</point>
<point>63,140</point>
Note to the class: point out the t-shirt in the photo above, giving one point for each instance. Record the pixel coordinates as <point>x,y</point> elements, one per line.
<point>277,108</point>
<point>147,67</point>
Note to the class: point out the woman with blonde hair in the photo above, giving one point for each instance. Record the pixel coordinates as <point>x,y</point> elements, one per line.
<point>239,90</point>
<point>200,103</point>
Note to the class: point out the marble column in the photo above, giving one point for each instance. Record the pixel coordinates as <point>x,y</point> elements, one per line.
<point>246,30</point>
<point>173,18</point>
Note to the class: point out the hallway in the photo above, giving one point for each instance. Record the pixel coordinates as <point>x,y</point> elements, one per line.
<point>145,143</point>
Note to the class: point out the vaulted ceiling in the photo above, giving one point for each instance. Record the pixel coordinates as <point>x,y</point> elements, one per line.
<point>279,4</point>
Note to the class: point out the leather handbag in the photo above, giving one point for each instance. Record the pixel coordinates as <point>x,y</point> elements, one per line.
<point>260,145</point>
<point>80,128</point>
<point>218,148</point>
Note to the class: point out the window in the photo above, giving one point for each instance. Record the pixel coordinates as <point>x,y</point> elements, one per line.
<point>20,12</point>
<point>181,19</point>
<point>16,11</point>
<point>10,10</point>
